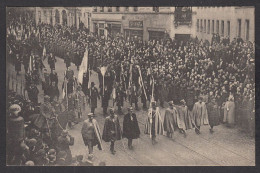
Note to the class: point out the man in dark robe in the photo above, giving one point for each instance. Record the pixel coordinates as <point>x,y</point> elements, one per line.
<point>51,61</point>
<point>18,63</point>
<point>93,97</point>
<point>213,113</point>
<point>112,130</point>
<point>67,60</point>
<point>130,127</point>
<point>91,133</point>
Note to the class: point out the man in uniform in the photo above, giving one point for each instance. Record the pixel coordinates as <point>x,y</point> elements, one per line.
<point>130,127</point>
<point>112,130</point>
<point>51,61</point>
<point>91,133</point>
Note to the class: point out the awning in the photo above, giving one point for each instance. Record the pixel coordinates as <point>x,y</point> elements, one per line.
<point>156,29</point>
<point>139,29</point>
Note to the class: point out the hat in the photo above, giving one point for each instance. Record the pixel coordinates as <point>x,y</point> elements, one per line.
<point>46,98</point>
<point>90,114</point>
<point>41,152</point>
<point>32,142</point>
<point>29,163</point>
<point>92,84</point>
<point>183,101</point>
<point>15,108</point>
<point>52,152</point>
<point>64,133</point>
<point>170,103</point>
<point>79,157</point>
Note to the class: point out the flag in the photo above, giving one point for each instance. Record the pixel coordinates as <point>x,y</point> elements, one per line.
<point>31,65</point>
<point>64,88</point>
<point>44,52</point>
<point>83,67</point>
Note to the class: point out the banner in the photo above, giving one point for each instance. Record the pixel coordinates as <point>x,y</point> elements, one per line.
<point>93,77</point>
<point>83,66</point>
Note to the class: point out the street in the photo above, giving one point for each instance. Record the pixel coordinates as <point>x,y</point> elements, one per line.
<point>225,147</point>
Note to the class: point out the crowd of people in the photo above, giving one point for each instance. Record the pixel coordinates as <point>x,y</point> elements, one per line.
<point>201,82</point>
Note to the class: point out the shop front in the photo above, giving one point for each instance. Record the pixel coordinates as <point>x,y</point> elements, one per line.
<point>135,30</point>
<point>114,28</point>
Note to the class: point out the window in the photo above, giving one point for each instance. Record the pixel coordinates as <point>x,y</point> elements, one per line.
<point>117,9</point>
<point>126,8</point>
<point>109,9</point>
<point>198,25</point>
<point>228,28</point>
<point>201,27</point>
<point>101,25</point>
<point>208,26</point>
<point>239,28</point>
<point>205,27</point>
<point>247,30</point>
<point>217,29</point>
<point>222,28</point>
<point>213,26</point>
<point>135,8</point>
<point>40,18</point>
<point>94,9</point>
<point>101,9</point>
<point>156,9</point>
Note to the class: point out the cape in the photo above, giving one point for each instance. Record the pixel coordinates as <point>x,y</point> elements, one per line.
<point>98,138</point>
<point>200,114</point>
<point>185,120</point>
<point>170,120</point>
<point>158,123</point>
<point>229,112</point>
<point>108,134</point>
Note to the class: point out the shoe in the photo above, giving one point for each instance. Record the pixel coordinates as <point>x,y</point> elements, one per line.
<point>211,131</point>
<point>113,152</point>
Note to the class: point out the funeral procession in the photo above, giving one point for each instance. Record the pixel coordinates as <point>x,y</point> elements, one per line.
<point>130,86</point>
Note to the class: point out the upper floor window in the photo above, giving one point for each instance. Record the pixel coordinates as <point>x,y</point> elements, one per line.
<point>101,9</point>
<point>135,8</point>
<point>117,9</point>
<point>94,9</point>
<point>109,9</point>
<point>156,9</point>
<point>126,8</point>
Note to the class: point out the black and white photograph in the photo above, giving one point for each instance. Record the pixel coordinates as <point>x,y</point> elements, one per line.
<point>130,86</point>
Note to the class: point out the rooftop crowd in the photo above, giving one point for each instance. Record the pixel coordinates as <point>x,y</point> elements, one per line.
<point>223,70</point>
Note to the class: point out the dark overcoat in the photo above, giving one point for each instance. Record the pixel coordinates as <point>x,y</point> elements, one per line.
<point>130,127</point>
<point>112,129</point>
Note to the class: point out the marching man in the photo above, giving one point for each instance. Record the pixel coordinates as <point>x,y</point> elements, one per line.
<point>112,130</point>
<point>154,124</point>
<point>91,134</point>
<point>130,127</point>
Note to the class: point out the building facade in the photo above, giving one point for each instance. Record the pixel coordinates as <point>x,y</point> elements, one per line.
<point>145,23</point>
<point>232,22</point>
<point>68,16</point>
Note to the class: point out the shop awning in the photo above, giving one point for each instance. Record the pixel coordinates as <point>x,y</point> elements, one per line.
<point>156,29</point>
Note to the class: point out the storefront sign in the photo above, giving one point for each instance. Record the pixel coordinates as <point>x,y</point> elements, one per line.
<point>135,24</point>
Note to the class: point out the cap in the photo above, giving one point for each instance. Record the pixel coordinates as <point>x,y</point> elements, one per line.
<point>32,142</point>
